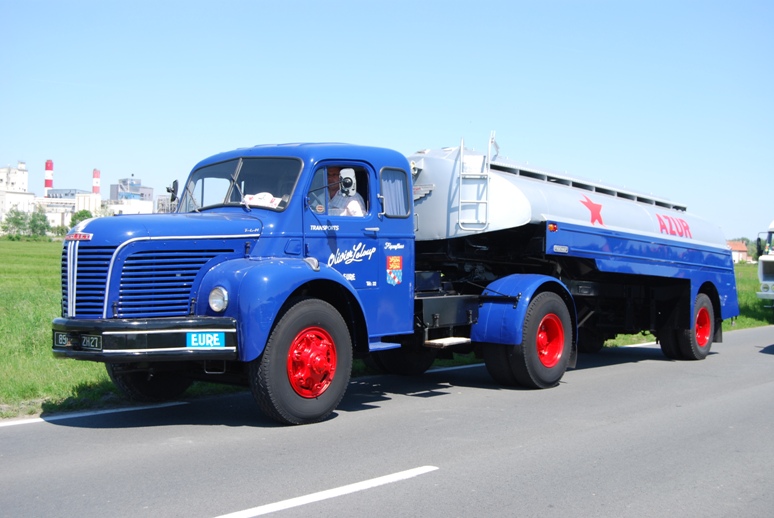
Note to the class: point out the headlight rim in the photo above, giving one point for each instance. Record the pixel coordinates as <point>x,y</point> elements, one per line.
<point>218,299</point>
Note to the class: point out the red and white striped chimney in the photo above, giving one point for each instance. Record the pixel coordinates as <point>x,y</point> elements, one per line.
<point>95,181</point>
<point>49,177</point>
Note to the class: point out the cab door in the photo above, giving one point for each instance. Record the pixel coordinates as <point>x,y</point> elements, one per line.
<point>359,247</point>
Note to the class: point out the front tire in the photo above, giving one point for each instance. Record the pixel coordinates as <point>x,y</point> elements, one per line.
<point>147,386</point>
<point>304,370</point>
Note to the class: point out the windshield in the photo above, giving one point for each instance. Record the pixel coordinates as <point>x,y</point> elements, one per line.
<point>768,246</point>
<point>255,182</point>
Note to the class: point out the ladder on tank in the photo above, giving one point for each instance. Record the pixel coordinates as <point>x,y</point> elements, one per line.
<point>473,188</point>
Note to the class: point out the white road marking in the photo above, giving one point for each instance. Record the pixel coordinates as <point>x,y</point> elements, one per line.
<point>73,415</point>
<point>330,493</point>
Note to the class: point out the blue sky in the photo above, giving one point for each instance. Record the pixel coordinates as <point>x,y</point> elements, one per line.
<point>672,98</point>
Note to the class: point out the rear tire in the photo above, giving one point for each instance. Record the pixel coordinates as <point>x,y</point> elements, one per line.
<point>695,344</point>
<point>541,359</point>
<point>305,368</point>
<point>147,386</point>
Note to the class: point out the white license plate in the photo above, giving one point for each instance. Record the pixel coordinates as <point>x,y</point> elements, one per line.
<point>89,342</point>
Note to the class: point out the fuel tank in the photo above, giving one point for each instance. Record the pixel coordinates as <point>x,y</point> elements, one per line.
<point>459,192</point>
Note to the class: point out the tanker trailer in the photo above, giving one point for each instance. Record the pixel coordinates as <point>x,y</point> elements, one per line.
<point>602,260</point>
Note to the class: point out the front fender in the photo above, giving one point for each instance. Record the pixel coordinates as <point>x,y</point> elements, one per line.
<point>504,307</point>
<point>257,289</point>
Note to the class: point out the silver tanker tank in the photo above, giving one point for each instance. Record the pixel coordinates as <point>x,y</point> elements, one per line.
<point>459,192</point>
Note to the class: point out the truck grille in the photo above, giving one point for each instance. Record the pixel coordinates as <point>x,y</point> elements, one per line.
<point>153,283</point>
<point>158,283</point>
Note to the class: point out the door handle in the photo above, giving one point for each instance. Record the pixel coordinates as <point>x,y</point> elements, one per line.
<point>371,229</point>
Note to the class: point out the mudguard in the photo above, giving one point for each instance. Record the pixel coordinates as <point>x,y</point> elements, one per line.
<point>257,290</point>
<point>504,306</point>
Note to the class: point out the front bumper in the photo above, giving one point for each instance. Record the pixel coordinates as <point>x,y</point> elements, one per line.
<point>153,339</point>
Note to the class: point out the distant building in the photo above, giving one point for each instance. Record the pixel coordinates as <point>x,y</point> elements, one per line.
<point>130,189</point>
<point>128,196</point>
<point>13,190</point>
<point>61,204</point>
<point>738,251</point>
<point>14,179</point>
<point>130,206</point>
<point>65,194</point>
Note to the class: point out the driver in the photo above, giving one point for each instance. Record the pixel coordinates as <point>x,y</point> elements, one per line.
<point>339,204</point>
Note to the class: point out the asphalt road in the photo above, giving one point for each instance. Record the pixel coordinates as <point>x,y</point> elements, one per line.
<point>627,434</point>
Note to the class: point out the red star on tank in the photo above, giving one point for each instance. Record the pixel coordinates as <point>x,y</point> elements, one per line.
<point>596,210</point>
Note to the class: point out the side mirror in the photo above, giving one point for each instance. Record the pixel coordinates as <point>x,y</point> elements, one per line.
<point>759,246</point>
<point>172,192</point>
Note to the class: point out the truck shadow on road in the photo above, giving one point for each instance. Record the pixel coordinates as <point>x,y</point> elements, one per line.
<point>364,393</point>
<point>619,355</point>
<point>232,410</point>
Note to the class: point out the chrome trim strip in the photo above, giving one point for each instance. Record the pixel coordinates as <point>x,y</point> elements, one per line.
<point>165,331</point>
<point>167,350</point>
<point>72,276</point>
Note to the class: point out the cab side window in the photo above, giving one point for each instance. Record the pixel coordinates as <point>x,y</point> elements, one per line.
<point>339,191</point>
<point>395,189</point>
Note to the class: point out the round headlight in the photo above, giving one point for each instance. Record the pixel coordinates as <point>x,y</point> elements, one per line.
<point>218,299</point>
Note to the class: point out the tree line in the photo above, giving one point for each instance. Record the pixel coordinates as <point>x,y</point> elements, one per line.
<point>19,225</point>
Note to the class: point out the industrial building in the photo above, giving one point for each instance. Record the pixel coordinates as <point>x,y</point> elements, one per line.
<point>127,197</point>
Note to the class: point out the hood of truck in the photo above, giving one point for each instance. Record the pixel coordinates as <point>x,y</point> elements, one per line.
<point>115,230</point>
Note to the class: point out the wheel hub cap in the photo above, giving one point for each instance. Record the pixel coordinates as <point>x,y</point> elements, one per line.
<point>703,327</point>
<point>311,362</point>
<point>550,340</point>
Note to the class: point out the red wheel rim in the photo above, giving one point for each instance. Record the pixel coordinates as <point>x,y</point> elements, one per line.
<point>703,327</point>
<point>550,340</point>
<point>311,362</point>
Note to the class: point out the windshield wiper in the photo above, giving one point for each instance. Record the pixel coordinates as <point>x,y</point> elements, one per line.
<point>189,194</point>
<point>241,194</point>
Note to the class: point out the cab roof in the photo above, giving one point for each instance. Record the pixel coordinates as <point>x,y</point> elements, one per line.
<point>311,153</point>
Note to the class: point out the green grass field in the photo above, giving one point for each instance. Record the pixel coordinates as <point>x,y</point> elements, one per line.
<point>33,381</point>
<point>29,299</point>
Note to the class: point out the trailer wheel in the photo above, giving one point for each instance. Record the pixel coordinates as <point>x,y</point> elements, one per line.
<point>147,386</point>
<point>542,358</point>
<point>695,344</point>
<point>304,370</point>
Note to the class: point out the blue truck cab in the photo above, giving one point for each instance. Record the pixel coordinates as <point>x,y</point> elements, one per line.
<point>254,248</point>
